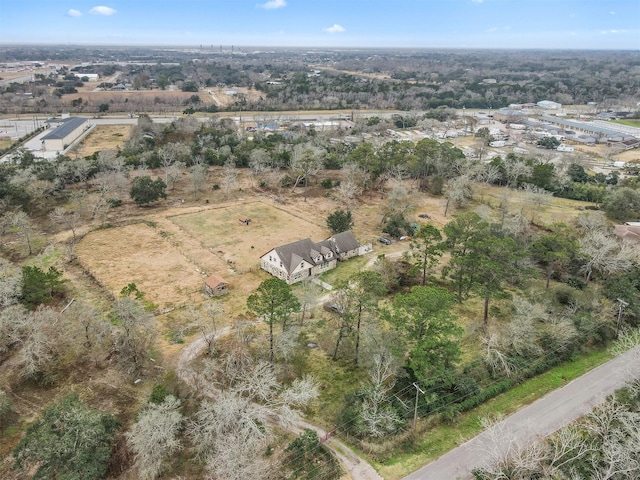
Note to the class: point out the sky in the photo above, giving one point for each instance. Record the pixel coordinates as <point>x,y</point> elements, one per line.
<point>537,24</point>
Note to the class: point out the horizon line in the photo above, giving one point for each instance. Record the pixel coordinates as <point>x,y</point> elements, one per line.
<point>323,47</point>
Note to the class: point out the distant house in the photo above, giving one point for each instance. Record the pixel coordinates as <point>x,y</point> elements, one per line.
<point>305,258</point>
<point>215,286</point>
<point>549,105</point>
<point>93,77</point>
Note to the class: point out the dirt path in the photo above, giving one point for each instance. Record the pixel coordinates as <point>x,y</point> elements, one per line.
<point>357,468</point>
<point>539,420</point>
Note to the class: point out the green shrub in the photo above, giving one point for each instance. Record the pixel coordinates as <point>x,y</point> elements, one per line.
<point>577,283</point>
<point>158,394</point>
<point>565,296</point>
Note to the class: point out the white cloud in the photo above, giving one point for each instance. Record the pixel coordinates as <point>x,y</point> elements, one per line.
<point>612,13</point>
<point>273,4</point>
<point>335,28</point>
<point>74,13</point>
<point>477,1</point>
<point>101,10</point>
<point>613,32</point>
<point>498,29</point>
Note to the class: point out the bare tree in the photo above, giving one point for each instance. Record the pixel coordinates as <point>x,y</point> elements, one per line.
<point>154,436</point>
<point>37,335</point>
<point>259,163</point>
<point>515,169</point>
<point>23,224</point>
<point>459,191</point>
<point>229,176</point>
<point>307,293</point>
<point>534,199</point>
<point>135,334</point>
<point>173,171</point>
<point>378,416</point>
<point>10,283</point>
<point>66,218</point>
<point>93,327</point>
<point>109,184</point>
<point>198,174</point>
<point>605,254</point>
<point>306,160</point>
<point>170,154</point>
<point>230,433</point>
<point>213,312</point>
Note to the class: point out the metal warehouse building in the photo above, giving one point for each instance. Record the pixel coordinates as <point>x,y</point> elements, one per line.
<point>64,135</point>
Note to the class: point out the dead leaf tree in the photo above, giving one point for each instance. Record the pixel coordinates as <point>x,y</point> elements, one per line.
<point>66,218</point>
<point>306,161</point>
<point>459,191</point>
<point>231,432</point>
<point>24,226</point>
<point>198,174</point>
<point>154,436</point>
<point>229,176</point>
<point>134,336</point>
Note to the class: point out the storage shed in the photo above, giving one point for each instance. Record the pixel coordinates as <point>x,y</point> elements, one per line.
<point>215,286</point>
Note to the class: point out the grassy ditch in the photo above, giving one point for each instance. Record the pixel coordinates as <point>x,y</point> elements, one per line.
<point>439,439</point>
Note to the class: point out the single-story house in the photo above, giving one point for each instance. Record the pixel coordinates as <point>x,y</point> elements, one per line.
<point>215,286</point>
<point>305,258</point>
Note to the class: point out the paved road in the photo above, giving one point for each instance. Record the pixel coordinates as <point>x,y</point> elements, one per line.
<point>538,420</point>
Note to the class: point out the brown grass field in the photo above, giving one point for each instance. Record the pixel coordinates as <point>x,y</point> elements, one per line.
<point>220,231</point>
<point>103,137</point>
<point>137,253</point>
<point>167,257</point>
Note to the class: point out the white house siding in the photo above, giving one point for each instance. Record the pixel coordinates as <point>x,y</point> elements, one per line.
<point>272,264</point>
<point>302,272</point>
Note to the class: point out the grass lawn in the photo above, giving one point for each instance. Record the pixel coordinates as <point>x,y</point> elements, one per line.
<point>629,123</point>
<point>345,270</point>
<point>442,438</point>
<point>549,210</point>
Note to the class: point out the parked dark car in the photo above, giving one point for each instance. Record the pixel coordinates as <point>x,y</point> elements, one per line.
<point>384,240</point>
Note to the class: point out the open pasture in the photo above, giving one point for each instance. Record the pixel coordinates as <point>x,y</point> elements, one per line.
<point>220,231</point>
<point>137,253</point>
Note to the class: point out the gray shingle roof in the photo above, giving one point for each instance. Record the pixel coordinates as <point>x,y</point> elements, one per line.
<point>65,129</point>
<point>344,242</point>
<point>293,253</point>
<point>307,250</point>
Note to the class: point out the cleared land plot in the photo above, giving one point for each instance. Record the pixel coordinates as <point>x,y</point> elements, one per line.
<point>220,231</point>
<point>103,137</point>
<point>137,253</point>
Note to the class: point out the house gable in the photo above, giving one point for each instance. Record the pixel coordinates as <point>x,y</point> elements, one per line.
<point>298,260</point>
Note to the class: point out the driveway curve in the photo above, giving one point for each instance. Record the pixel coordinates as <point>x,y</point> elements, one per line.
<point>357,468</point>
<point>536,421</point>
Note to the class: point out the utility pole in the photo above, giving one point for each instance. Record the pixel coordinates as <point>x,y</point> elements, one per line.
<point>621,307</point>
<point>415,408</point>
